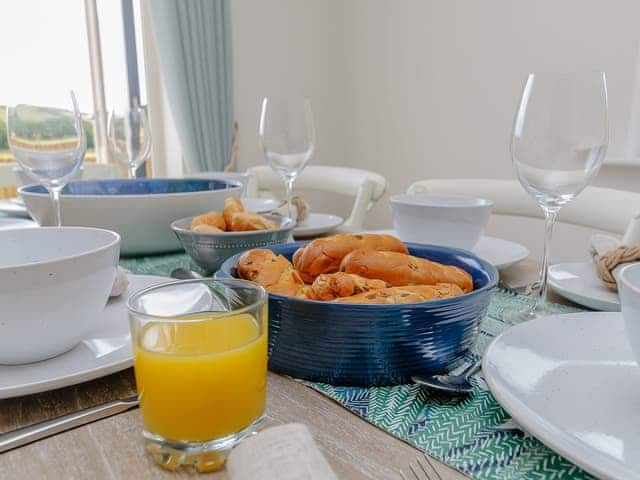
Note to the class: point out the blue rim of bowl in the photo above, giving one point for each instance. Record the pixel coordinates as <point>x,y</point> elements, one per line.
<point>486,266</point>
<point>116,239</point>
<point>228,185</point>
<point>283,227</point>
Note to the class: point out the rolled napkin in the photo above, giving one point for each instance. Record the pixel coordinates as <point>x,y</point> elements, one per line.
<point>286,452</point>
<point>610,254</point>
<point>120,284</point>
<point>300,208</point>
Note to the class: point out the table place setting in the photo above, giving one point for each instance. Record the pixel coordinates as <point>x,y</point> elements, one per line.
<point>201,286</point>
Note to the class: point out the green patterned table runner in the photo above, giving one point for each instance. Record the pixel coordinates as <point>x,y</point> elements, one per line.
<point>474,434</point>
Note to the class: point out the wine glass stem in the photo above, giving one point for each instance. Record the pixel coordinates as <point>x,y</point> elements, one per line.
<point>132,170</point>
<point>549,221</point>
<point>288,187</point>
<point>55,197</point>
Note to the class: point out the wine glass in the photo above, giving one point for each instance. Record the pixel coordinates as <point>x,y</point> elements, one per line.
<point>560,137</point>
<point>49,144</point>
<point>130,137</point>
<point>287,137</point>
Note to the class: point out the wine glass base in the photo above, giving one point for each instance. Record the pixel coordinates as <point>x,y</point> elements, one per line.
<point>208,456</point>
<point>514,317</point>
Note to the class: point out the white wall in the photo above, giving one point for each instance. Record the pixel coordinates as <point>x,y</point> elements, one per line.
<point>426,88</point>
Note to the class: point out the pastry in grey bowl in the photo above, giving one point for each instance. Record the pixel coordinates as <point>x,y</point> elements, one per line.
<point>210,250</point>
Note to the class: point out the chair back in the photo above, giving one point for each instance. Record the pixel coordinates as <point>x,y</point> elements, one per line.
<point>596,207</point>
<point>364,186</point>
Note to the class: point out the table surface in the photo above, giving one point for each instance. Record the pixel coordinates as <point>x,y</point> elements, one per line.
<point>113,449</point>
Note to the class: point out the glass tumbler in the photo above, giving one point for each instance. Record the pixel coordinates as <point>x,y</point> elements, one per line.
<point>200,360</point>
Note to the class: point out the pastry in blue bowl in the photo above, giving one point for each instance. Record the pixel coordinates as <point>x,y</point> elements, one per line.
<point>366,309</point>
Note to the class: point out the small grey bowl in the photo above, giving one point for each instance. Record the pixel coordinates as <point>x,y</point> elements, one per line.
<point>210,250</point>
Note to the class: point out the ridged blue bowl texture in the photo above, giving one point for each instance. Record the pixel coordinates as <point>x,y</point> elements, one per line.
<point>347,344</point>
<point>138,186</point>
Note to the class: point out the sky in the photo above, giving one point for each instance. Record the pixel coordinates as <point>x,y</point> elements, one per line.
<point>45,53</point>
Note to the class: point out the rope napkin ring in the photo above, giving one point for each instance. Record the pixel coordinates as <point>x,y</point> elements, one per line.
<point>299,205</point>
<point>607,262</point>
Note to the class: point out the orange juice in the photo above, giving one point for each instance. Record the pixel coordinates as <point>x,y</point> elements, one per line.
<point>202,379</point>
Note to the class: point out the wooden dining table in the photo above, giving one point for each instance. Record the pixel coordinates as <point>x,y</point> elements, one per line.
<point>113,448</point>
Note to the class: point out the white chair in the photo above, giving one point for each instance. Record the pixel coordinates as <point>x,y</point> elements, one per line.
<point>596,207</point>
<point>516,215</point>
<point>366,187</point>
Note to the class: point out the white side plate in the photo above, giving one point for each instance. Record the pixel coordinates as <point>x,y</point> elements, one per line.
<point>572,382</point>
<point>8,223</point>
<point>14,207</point>
<point>107,350</point>
<point>260,205</point>
<point>579,283</point>
<point>317,224</point>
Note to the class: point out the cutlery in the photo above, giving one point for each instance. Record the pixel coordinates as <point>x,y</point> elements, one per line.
<point>37,431</point>
<point>449,383</point>
<point>184,274</point>
<point>420,470</point>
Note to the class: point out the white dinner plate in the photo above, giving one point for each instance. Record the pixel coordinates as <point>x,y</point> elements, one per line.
<point>8,223</point>
<point>106,350</point>
<point>14,207</point>
<point>572,382</point>
<point>498,252</point>
<point>260,205</point>
<point>579,283</point>
<point>317,224</point>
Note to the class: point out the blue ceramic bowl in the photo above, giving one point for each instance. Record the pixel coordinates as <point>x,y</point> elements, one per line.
<point>348,344</point>
<point>140,210</point>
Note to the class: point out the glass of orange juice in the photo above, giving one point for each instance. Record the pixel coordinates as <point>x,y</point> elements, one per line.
<point>200,360</point>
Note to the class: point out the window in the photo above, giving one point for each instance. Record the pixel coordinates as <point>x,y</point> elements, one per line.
<point>47,52</point>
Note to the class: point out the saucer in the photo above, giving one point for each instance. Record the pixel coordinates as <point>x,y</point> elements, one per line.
<point>106,350</point>
<point>579,283</point>
<point>317,224</point>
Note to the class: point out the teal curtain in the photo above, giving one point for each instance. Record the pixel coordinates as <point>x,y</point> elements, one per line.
<point>193,41</point>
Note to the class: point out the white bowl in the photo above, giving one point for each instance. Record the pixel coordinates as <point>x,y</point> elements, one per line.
<point>629,290</point>
<point>54,282</point>
<point>140,210</point>
<point>448,220</point>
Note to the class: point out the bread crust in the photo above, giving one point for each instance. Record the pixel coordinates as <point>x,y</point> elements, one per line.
<point>273,272</point>
<point>330,286</point>
<point>407,294</point>
<point>400,269</point>
<point>231,205</point>
<point>248,221</point>
<point>213,219</point>
<point>323,255</point>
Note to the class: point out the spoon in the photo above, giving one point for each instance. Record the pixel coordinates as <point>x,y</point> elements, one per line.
<point>184,274</point>
<point>449,383</point>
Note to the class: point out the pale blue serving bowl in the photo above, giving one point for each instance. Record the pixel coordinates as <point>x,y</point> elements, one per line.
<point>140,210</point>
<point>349,344</point>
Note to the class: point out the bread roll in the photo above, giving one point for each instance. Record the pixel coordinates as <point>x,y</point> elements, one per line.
<point>215,219</point>
<point>407,294</point>
<point>402,269</point>
<point>248,221</point>
<point>231,205</point>
<point>205,228</point>
<point>324,255</point>
<point>273,272</point>
<point>330,286</point>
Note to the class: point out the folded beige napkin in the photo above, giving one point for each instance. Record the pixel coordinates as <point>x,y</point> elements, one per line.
<point>299,206</point>
<point>120,284</point>
<point>286,452</point>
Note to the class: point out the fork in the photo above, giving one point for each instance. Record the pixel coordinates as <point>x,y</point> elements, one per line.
<point>420,469</point>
